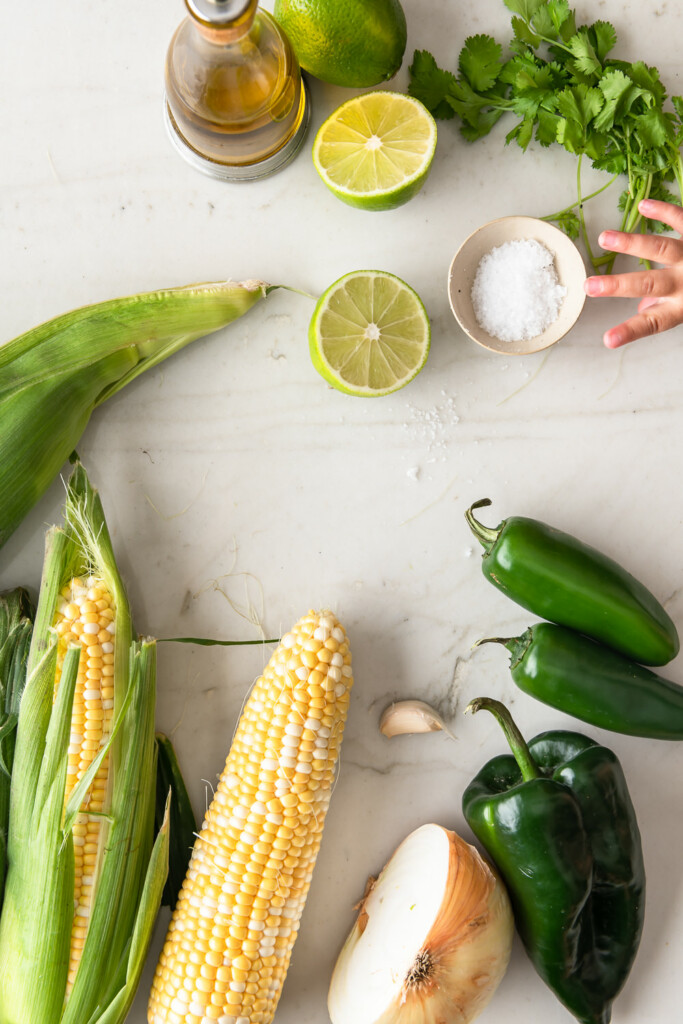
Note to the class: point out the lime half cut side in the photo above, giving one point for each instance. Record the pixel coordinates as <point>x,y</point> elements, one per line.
<point>375,151</point>
<point>370,334</point>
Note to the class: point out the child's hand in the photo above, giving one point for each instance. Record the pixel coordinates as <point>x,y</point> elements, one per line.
<point>660,291</point>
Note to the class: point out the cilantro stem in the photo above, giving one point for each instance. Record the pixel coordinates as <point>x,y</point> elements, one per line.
<point>641,193</point>
<point>582,200</point>
<point>545,39</point>
<point>630,220</point>
<point>643,229</point>
<point>677,165</point>
<point>582,219</point>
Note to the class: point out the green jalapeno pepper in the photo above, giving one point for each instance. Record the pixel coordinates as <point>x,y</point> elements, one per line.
<point>559,578</point>
<point>576,675</point>
<point>557,820</point>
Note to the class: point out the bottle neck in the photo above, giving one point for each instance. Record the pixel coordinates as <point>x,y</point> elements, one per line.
<point>222,32</point>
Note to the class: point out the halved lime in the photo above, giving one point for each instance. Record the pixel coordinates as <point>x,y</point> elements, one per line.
<point>375,150</point>
<point>369,334</point>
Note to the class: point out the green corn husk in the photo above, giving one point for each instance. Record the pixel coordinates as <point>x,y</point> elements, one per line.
<point>183,823</point>
<point>37,915</point>
<point>54,376</point>
<point>16,627</point>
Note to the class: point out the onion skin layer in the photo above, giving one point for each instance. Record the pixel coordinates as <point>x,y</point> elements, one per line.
<point>464,956</point>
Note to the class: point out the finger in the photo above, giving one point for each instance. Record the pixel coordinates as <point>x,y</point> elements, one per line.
<point>659,317</point>
<point>656,248</point>
<point>636,285</point>
<point>646,303</point>
<point>668,213</point>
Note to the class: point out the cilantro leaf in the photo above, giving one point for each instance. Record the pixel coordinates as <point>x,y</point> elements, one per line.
<point>524,34</point>
<point>646,78</point>
<point>603,36</point>
<point>568,28</point>
<point>654,129</point>
<point>472,107</point>
<point>678,105</point>
<point>596,145</point>
<point>543,23</point>
<point>585,58</point>
<point>546,127</point>
<point>525,8</point>
<point>480,61</point>
<point>431,85</point>
<point>614,84</point>
<point>533,86</point>
<point>571,135</point>
<point>568,222</point>
<point>580,104</point>
<point>482,126</point>
<point>522,133</point>
<point>613,161</point>
<point>576,107</point>
<point>620,94</point>
<point>559,12</point>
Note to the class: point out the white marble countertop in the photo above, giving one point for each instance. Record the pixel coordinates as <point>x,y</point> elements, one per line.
<point>237,485</point>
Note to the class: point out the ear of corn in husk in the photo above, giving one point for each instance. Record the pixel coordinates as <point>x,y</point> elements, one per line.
<point>231,936</point>
<point>16,627</point>
<point>55,375</point>
<point>85,874</point>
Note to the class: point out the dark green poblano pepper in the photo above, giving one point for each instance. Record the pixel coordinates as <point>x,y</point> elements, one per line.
<point>557,820</point>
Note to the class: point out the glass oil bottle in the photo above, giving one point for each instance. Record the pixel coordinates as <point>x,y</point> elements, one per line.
<point>236,105</point>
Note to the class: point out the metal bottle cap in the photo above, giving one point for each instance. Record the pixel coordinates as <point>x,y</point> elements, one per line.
<point>217,12</point>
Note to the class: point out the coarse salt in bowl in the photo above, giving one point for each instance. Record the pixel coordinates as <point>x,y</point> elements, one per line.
<point>526,296</point>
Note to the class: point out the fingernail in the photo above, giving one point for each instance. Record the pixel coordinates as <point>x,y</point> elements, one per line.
<point>613,338</point>
<point>593,286</point>
<point>645,204</point>
<point>607,239</point>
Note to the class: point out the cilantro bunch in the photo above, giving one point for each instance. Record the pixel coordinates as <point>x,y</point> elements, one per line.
<point>561,85</point>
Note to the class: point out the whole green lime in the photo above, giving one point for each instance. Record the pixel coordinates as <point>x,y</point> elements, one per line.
<point>356,43</point>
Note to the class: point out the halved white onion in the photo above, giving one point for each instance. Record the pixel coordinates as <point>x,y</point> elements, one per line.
<point>432,939</point>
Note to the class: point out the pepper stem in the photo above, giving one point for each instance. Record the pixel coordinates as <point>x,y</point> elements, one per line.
<point>486,535</point>
<point>516,645</point>
<point>518,746</point>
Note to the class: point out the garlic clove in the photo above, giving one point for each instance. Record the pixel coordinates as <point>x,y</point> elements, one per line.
<point>432,941</point>
<point>405,717</point>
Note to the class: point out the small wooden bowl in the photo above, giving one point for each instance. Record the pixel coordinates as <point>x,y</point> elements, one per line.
<point>568,265</point>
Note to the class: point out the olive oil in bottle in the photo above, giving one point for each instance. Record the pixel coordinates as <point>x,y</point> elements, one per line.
<point>236,105</point>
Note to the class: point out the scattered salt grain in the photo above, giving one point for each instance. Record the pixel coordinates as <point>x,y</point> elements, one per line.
<point>430,426</point>
<point>516,294</point>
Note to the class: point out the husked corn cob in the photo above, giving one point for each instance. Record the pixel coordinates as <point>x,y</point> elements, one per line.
<point>230,939</point>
